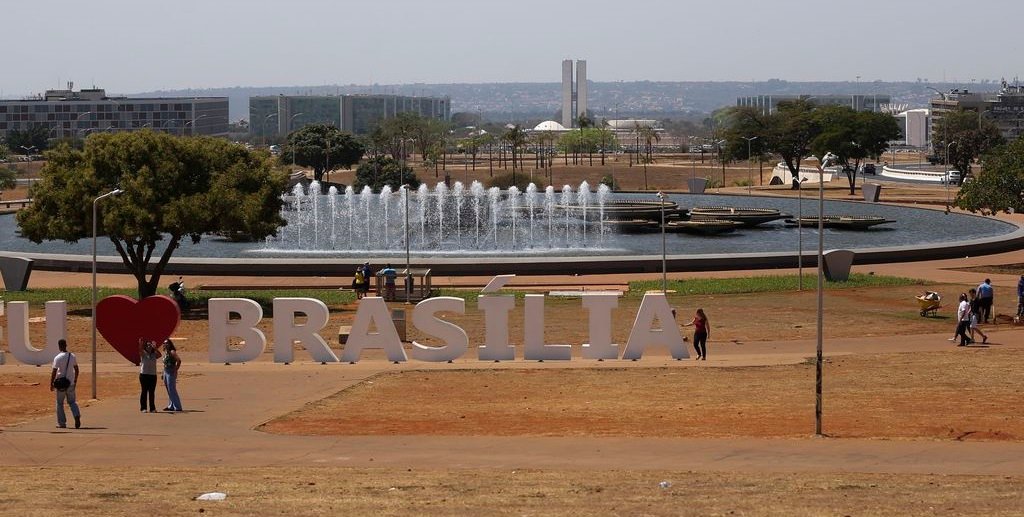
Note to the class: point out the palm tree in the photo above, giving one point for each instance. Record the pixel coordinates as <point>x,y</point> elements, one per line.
<point>516,137</point>
<point>649,136</point>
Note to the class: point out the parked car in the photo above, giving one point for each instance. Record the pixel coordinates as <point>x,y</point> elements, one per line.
<point>951,177</point>
<point>868,168</point>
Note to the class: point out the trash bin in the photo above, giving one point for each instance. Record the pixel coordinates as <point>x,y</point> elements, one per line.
<point>398,319</point>
<point>872,192</point>
<point>697,185</point>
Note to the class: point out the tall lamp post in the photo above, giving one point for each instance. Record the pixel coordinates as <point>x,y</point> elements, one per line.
<point>664,262</point>
<point>290,120</point>
<point>28,151</point>
<point>947,177</point>
<point>95,202</point>
<point>821,293</point>
<point>264,126</point>
<point>193,123</point>
<point>75,129</point>
<point>750,177</point>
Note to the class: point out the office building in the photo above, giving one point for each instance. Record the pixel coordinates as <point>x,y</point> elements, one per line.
<point>359,114</point>
<point>1004,108</point>
<point>767,104</point>
<point>915,128</point>
<point>75,114</point>
<point>574,92</point>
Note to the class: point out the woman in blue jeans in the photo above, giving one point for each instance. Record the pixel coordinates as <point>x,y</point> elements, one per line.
<point>172,363</point>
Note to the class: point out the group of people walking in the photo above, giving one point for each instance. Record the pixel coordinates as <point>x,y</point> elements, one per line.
<point>974,307</point>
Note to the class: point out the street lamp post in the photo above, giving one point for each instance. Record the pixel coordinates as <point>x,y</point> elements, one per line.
<point>264,126</point>
<point>290,120</point>
<point>408,274</point>
<point>750,177</point>
<point>75,127</point>
<point>800,233</point>
<point>664,262</point>
<point>947,176</point>
<point>193,123</point>
<point>821,296</point>
<point>95,202</point>
<point>28,151</point>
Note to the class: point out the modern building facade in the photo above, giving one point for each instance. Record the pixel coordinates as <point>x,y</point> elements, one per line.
<point>1004,108</point>
<point>279,115</point>
<point>574,92</point>
<point>75,114</point>
<point>915,128</point>
<point>769,103</point>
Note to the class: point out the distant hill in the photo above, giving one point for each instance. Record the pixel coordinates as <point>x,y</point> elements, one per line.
<point>521,101</point>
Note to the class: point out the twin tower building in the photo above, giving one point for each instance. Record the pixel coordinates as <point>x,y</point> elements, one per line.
<point>574,92</point>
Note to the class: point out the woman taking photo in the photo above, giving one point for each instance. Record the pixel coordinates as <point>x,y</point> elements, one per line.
<point>149,352</point>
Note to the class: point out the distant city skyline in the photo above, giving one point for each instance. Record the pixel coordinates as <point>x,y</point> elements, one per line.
<point>130,47</point>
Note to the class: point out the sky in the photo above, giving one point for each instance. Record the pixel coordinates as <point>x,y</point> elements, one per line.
<point>131,46</point>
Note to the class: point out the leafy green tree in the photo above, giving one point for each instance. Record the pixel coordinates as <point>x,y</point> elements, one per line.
<point>969,137</point>
<point>322,147</point>
<point>35,136</point>
<point>853,136</point>
<point>7,179</point>
<point>384,170</point>
<point>173,188</point>
<point>1000,186</point>
<point>3,151</point>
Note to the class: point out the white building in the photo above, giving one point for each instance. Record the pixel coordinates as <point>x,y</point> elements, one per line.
<point>915,126</point>
<point>574,93</point>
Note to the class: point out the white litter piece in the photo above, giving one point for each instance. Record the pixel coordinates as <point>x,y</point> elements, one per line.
<point>212,496</point>
<point>665,484</point>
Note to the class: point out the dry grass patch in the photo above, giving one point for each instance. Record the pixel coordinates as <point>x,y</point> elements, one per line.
<point>969,394</point>
<point>130,491</point>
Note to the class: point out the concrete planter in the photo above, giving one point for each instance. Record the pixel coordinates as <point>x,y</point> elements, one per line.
<point>697,185</point>
<point>837,265</point>
<point>872,191</point>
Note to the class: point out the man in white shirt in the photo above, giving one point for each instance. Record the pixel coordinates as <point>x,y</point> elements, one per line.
<point>65,365</point>
<point>963,318</point>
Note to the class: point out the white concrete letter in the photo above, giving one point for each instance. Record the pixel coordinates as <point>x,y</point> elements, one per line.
<point>372,309</point>
<point>222,329</point>
<point>287,332</point>
<point>17,328</point>
<point>534,348</point>
<point>455,339</point>
<point>496,346</point>
<point>654,305</point>
<point>599,307</point>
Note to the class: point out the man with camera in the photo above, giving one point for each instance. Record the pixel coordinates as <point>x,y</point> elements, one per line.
<point>63,379</point>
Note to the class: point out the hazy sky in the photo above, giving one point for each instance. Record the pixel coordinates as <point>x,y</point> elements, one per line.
<point>129,46</point>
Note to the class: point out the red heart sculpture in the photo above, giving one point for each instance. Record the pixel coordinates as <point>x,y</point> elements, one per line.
<point>122,320</point>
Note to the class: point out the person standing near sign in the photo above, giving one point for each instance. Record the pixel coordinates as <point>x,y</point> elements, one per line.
<point>172,363</point>
<point>701,331</point>
<point>63,378</point>
<point>390,275</point>
<point>149,352</point>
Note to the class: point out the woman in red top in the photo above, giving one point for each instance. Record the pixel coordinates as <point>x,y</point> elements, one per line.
<point>701,330</point>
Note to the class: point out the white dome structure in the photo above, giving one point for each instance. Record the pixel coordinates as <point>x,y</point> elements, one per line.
<point>549,125</point>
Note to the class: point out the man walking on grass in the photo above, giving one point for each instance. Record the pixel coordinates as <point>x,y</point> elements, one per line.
<point>65,366</point>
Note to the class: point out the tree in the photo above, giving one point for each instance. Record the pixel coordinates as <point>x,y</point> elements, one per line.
<point>1000,186</point>
<point>173,188</point>
<point>515,137</point>
<point>35,136</point>
<point>853,136</point>
<point>3,151</point>
<point>7,179</point>
<point>322,147</point>
<point>969,137</point>
<point>789,132</point>
<point>649,135</point>
<point>384,170</point>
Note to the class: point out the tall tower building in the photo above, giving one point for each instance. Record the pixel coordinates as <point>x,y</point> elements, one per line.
<point>574,93</point>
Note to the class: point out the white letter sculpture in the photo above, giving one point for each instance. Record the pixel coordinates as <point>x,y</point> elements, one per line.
<point>287,332</point>
<point>496,346</point>
<point>654,305</point>
<point>600,311</point>
<point>372,309</point>
<point>222,329</point>
<point>17,328</point>
<point>455,339</point>
<point>534,348</point>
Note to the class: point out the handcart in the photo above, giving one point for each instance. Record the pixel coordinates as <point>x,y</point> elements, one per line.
<point>930,302</point>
